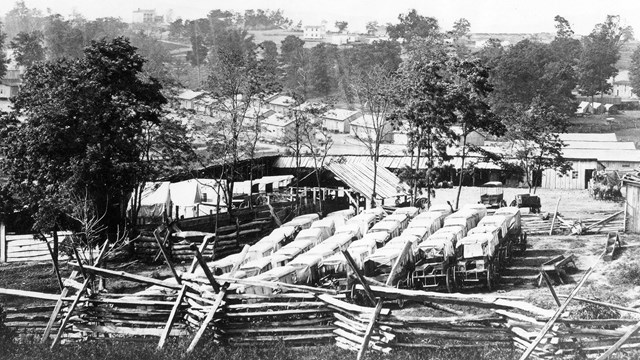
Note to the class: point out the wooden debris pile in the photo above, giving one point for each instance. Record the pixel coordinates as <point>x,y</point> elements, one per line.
<point>534,224</point>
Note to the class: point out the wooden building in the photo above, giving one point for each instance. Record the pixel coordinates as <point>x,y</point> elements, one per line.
<point>631,184</point>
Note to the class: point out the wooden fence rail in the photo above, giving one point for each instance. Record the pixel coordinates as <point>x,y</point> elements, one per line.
<point>25,247</point>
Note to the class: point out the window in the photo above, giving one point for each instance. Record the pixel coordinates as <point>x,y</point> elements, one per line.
<point>626,165</point>
<point>574,174</point>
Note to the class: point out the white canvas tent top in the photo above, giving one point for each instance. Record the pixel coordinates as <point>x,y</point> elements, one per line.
<point>185,195</point>
<point>155,200</point>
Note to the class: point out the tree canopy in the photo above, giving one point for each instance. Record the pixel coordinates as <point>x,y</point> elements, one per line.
<point>83,134</point>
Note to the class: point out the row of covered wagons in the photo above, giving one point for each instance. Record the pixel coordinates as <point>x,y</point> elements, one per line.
<point>308,249</point>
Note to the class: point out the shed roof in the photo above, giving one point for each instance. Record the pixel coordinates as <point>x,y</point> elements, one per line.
<point>339,114</point>
<point>602,155</point>
<point>190,95</point>
<point>359,177</point>
<point>604,145</point>
<point>283,100</point>
<point>588,137</point>
<point>277,119</point>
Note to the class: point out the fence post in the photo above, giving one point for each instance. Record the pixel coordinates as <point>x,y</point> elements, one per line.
<point>3,243</point>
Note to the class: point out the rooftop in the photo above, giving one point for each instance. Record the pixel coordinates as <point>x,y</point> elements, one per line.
<point>339,114</point>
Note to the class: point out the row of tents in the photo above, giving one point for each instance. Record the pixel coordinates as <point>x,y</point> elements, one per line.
<point>196,197</point>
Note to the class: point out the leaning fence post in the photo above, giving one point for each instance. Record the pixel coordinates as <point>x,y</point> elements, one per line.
<point>3,243</point>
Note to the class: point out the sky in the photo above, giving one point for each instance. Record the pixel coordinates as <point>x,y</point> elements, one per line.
<point>485,16</point>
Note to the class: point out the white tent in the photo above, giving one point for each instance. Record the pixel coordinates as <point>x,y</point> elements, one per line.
<point>155,200</point>
<point>185,198</point>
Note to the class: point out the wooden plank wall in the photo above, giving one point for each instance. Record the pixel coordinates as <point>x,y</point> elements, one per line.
<point>552,179</point>
<point>632,215</point>
<point>16,248</point>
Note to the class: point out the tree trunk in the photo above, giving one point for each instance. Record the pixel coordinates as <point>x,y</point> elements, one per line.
<point>464,153</point>
<point>375,174</point>
<point>55,246</point>
<point>415,182</point>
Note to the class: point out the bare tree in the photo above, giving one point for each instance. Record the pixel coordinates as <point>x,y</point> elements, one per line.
<point>375,92</point>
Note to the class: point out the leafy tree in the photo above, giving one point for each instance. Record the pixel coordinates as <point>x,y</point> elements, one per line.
<point>295,61</point>
<point>269,66</point>
<point>27,48</point>
<point>342,25</point>
<point>198,31</point>
<point>468,94</point>
<point>530,70</point>
<point>62,39</point>
<point>461,28</point>
<point>535,145</point>
<point>426,109</point>
<point>364,57</point>
<point>177,30</point>
<point>375,91</point>
<point>372,27</point>
<point>85,142</point>
<point>634,71</point>
<point>601,51</point>
<point>460,32</point>
<point>22,19</point>
<point>158,60</point>
<point>412,25</point>
<point>322,66</point>
<point>3,55</point>
<point>108,27</point>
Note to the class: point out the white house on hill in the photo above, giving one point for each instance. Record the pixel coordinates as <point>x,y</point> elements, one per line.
<point>339,120</point>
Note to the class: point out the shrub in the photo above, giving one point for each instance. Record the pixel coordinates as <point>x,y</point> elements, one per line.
<point>626,273</point>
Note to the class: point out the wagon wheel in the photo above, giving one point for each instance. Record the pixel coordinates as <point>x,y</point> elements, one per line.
<point>451,281</point>
<point>490,278</point>
<point>400,301</point>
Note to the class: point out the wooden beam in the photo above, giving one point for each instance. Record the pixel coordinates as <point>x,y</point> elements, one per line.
<point>203,247</point>
<point>560,310</point>
<point>367,335</point>
<point>398,266</point>
<point>54,261</point>
<point>205,268</point>
<point>546,279</point>
<point>176,306</point>
<point>128,276</point>
<point>174,311</point>
<point>216,305</point>
<point>620,342</point>
<point>555,215</point>
<point>3,242</point>
<point>164,253</point>
<point>601,303</point>
<point>86,283</point>
<point>365,285</point>
<point>603,221</point>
